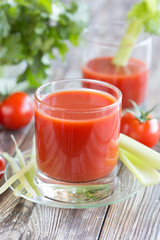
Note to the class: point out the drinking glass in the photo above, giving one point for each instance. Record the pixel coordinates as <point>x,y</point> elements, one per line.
<point>77,124</point>
<point>101,44</point>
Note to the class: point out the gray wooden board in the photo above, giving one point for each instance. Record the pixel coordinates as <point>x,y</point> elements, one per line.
<point>137,218</point>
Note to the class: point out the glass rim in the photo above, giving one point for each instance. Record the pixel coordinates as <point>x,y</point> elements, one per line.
<point>108,107</point>
<point>117,24</point>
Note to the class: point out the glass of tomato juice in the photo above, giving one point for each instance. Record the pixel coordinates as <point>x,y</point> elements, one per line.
<point>101,45</point>
<point>77,124</point>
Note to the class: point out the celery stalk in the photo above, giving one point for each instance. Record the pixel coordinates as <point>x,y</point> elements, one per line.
<point>146,154</point>
<point>18,189</point>
<point>32,173</point>
<point>16,176</point>
<point>19,153</point>
<point>143,16</point>
<point>25,173</point>
<point>143,172</point>
<point>16,169</point>
<point>126,46</point>
<point>29,175</point>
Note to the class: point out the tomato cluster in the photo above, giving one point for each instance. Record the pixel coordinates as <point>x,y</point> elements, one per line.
<point>16,111</point>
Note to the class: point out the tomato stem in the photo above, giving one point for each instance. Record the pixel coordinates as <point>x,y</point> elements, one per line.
<point>140,114</point>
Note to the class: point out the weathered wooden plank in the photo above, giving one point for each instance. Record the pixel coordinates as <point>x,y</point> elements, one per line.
<point>135,218</point>
<point>66,224</point>
<point>6,143</point>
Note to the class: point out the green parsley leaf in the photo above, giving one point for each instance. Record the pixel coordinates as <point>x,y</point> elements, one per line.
<point>31,30</point>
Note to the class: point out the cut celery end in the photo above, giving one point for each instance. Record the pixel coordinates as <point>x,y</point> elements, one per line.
<point>147,175</point>
<point>18,189</point>
<point>146,154</point>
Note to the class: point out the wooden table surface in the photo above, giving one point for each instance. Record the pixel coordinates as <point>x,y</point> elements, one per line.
<point>136,218</point>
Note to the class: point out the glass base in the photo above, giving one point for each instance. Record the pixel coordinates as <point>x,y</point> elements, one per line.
<point>77,192</point>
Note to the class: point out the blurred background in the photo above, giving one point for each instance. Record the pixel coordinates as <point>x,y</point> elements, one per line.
<point>117,9</point>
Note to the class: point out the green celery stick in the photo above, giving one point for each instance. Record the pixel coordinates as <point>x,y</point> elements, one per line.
<point>31,174</point>
<point>19,153</point>
<point>16,169</point>
<point>18,189</point>
<point>146,154</point>
<point>18,175</point>
<point>143,16</point>
<point>126,46</point>
<point>142,171</point>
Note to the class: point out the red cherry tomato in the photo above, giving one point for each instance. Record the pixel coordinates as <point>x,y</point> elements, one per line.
<point>2,165</point>
<point>146,132</point>
<point>16,111</point>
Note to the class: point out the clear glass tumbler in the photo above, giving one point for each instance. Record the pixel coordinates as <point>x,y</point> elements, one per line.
<point>77,124</point>
<point>100,47</point>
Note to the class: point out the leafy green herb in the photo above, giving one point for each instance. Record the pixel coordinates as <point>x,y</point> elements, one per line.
<point>143,16</point>
<point>32,30</point>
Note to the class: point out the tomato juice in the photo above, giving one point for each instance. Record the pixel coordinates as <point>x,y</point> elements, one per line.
<point>77,135</point>
<point>131,79</point>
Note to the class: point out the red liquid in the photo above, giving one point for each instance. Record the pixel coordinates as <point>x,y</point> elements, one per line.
<point>131,80</point>
<point>77,146</point>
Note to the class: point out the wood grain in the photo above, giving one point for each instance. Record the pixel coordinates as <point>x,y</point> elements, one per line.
<point>137,218</point>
